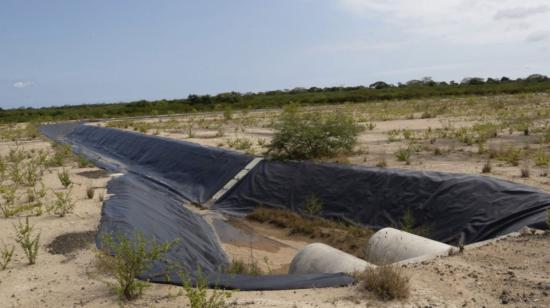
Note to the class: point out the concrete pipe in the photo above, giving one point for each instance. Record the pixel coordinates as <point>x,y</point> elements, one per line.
<point>320,258</point>
<point>391,245</point>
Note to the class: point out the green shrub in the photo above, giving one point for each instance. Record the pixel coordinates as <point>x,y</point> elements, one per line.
<point>27,240</point>
<point>126,258</point>
<point>313,135</point>
<point>6,253</point>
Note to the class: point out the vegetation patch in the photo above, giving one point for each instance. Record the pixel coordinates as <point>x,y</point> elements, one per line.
<point>346,237</point>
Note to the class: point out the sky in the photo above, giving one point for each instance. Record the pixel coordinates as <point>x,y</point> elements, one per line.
<point>55,52</point>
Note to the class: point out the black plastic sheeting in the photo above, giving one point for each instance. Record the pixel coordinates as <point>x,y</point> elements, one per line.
<point>450,205</point>
<point>143,201</point>
<point>194,171</point>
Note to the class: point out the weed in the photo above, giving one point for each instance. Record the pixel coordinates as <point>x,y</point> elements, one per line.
<point>408,224</point>
<point>242,268</point>
<point>64,178</point>
<point>27,240</point>
<point>240,144</point>
<point>387,282</point>
<point>313,206</point>
<point>198,294</point>
<point>126,258</point>
<point>6,253</point>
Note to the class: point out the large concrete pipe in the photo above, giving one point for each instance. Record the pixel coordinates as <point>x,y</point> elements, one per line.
<point>320,258</point>
<point>391,245</point>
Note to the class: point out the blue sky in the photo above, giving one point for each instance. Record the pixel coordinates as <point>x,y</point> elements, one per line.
<point>71,52</point>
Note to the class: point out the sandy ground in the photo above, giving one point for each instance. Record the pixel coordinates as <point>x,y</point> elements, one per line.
<point>512,272</point>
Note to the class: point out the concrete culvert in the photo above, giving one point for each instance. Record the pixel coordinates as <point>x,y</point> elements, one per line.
<point>391,245</point>
<point>320,258</point>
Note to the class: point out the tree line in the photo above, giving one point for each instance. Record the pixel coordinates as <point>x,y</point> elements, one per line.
<point>380,90</point>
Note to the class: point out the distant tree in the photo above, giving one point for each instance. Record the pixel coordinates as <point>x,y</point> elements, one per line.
<point>428,81</point>
<point>492,81</point>
<point>504,79</point>
<point>414,82</point>
<point>379,85</point>
<point>537,78</point>
<point>472,81</point>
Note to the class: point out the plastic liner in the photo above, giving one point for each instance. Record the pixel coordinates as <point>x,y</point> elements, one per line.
<point>138,206</point>
<point>194,171</point>
<point>144,201</point>
<point>451,206</point>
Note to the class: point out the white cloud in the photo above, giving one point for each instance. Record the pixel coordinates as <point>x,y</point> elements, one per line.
<point>22,84</point>
<point>521,12</point>
<point>460,21</point>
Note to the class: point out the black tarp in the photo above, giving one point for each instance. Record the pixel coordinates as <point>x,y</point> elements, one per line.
<point>450,205</point>
<point>194,171</point>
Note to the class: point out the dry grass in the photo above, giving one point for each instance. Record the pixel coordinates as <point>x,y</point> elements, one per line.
<point>345,237</point>
<point>386,282</point>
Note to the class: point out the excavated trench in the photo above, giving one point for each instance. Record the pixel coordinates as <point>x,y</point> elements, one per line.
<point>165,180</point>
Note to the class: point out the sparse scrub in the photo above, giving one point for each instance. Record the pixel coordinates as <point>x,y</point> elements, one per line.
<point>387,282</point>
<point>242,144</point>
<point>27,240</point>
<point>126,258</point>
<point>242,268</point>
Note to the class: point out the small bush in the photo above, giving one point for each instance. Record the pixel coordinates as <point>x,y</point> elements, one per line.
<point>6,253</point>
<point>382,163</point>
<point>63,204</point>
<point>27,240</point>
<point>198,294</point>
<point>64,178</point>
<point>386,282</point>
<point>404,155</point>
<point>313,135</point>
<point>408,224</point>
<point>125,259</point>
